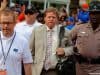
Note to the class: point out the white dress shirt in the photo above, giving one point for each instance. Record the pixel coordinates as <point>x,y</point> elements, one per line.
<point>19,52</point>
<point>53,59</point>
<point>25,29</point>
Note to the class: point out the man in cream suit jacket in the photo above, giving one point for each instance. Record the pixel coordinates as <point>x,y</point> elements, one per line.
<point>39,44</point>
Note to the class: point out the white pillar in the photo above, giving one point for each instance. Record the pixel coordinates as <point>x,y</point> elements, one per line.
<point>67,6</point>
<point>48,4</point>
<point>45,4</point>
<point>10,2</point>
<point>29,3</point>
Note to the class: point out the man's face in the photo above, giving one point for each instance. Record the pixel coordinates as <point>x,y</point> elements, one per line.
<point>62,16</point>
<point>7,24</point>
<point>30,17</point>
<point>95,17</point>
<point>50,19</point>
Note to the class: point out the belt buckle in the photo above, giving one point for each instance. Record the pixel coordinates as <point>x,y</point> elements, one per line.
<point>89,60</point>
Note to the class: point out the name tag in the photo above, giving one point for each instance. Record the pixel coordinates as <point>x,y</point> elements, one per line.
<point>3,72</point>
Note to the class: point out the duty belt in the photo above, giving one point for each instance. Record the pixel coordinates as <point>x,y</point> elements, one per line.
<point>82,59</point>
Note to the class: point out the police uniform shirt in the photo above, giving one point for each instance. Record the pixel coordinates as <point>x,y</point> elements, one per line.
<point>88,41</point>
<point>19,52</point>
<point>24,29</point>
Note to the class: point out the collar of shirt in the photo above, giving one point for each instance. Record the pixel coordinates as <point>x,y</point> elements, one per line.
<point>90,27</point>
<point>7,38</point>
<point>30,25</point>
<point>54,29</point>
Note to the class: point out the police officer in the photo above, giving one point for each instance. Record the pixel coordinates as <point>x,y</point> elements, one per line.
<point>87,37</point>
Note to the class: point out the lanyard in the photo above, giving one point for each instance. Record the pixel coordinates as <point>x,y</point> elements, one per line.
<point>5,56</point>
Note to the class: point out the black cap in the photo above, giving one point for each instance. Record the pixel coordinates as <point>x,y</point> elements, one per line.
<point>94,6</point>
<point>30,10</point>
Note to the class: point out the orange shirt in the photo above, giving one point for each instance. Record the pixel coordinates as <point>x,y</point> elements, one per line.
<point>21,17</point>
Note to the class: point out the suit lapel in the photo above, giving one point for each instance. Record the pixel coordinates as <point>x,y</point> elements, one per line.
<point>44,34</point>
<point>43,40</point>
<point>58,31</point>
<point>43,37</point>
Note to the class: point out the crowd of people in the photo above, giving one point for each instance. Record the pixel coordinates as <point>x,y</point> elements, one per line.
<point>39,43</point>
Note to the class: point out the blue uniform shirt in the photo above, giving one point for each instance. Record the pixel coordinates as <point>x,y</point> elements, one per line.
<point>83,16</point>
<point>69,27</point>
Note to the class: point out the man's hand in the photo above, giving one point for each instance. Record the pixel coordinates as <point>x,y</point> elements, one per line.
<point>3,4</point>
<point>60,52</point>
<point>28,69</point>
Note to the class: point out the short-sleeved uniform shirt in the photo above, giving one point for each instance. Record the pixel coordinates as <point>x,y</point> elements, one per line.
<point>87,40</point>
<point>19,52</point>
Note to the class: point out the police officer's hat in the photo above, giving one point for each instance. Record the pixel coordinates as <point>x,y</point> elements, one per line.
<point>94,6</point>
